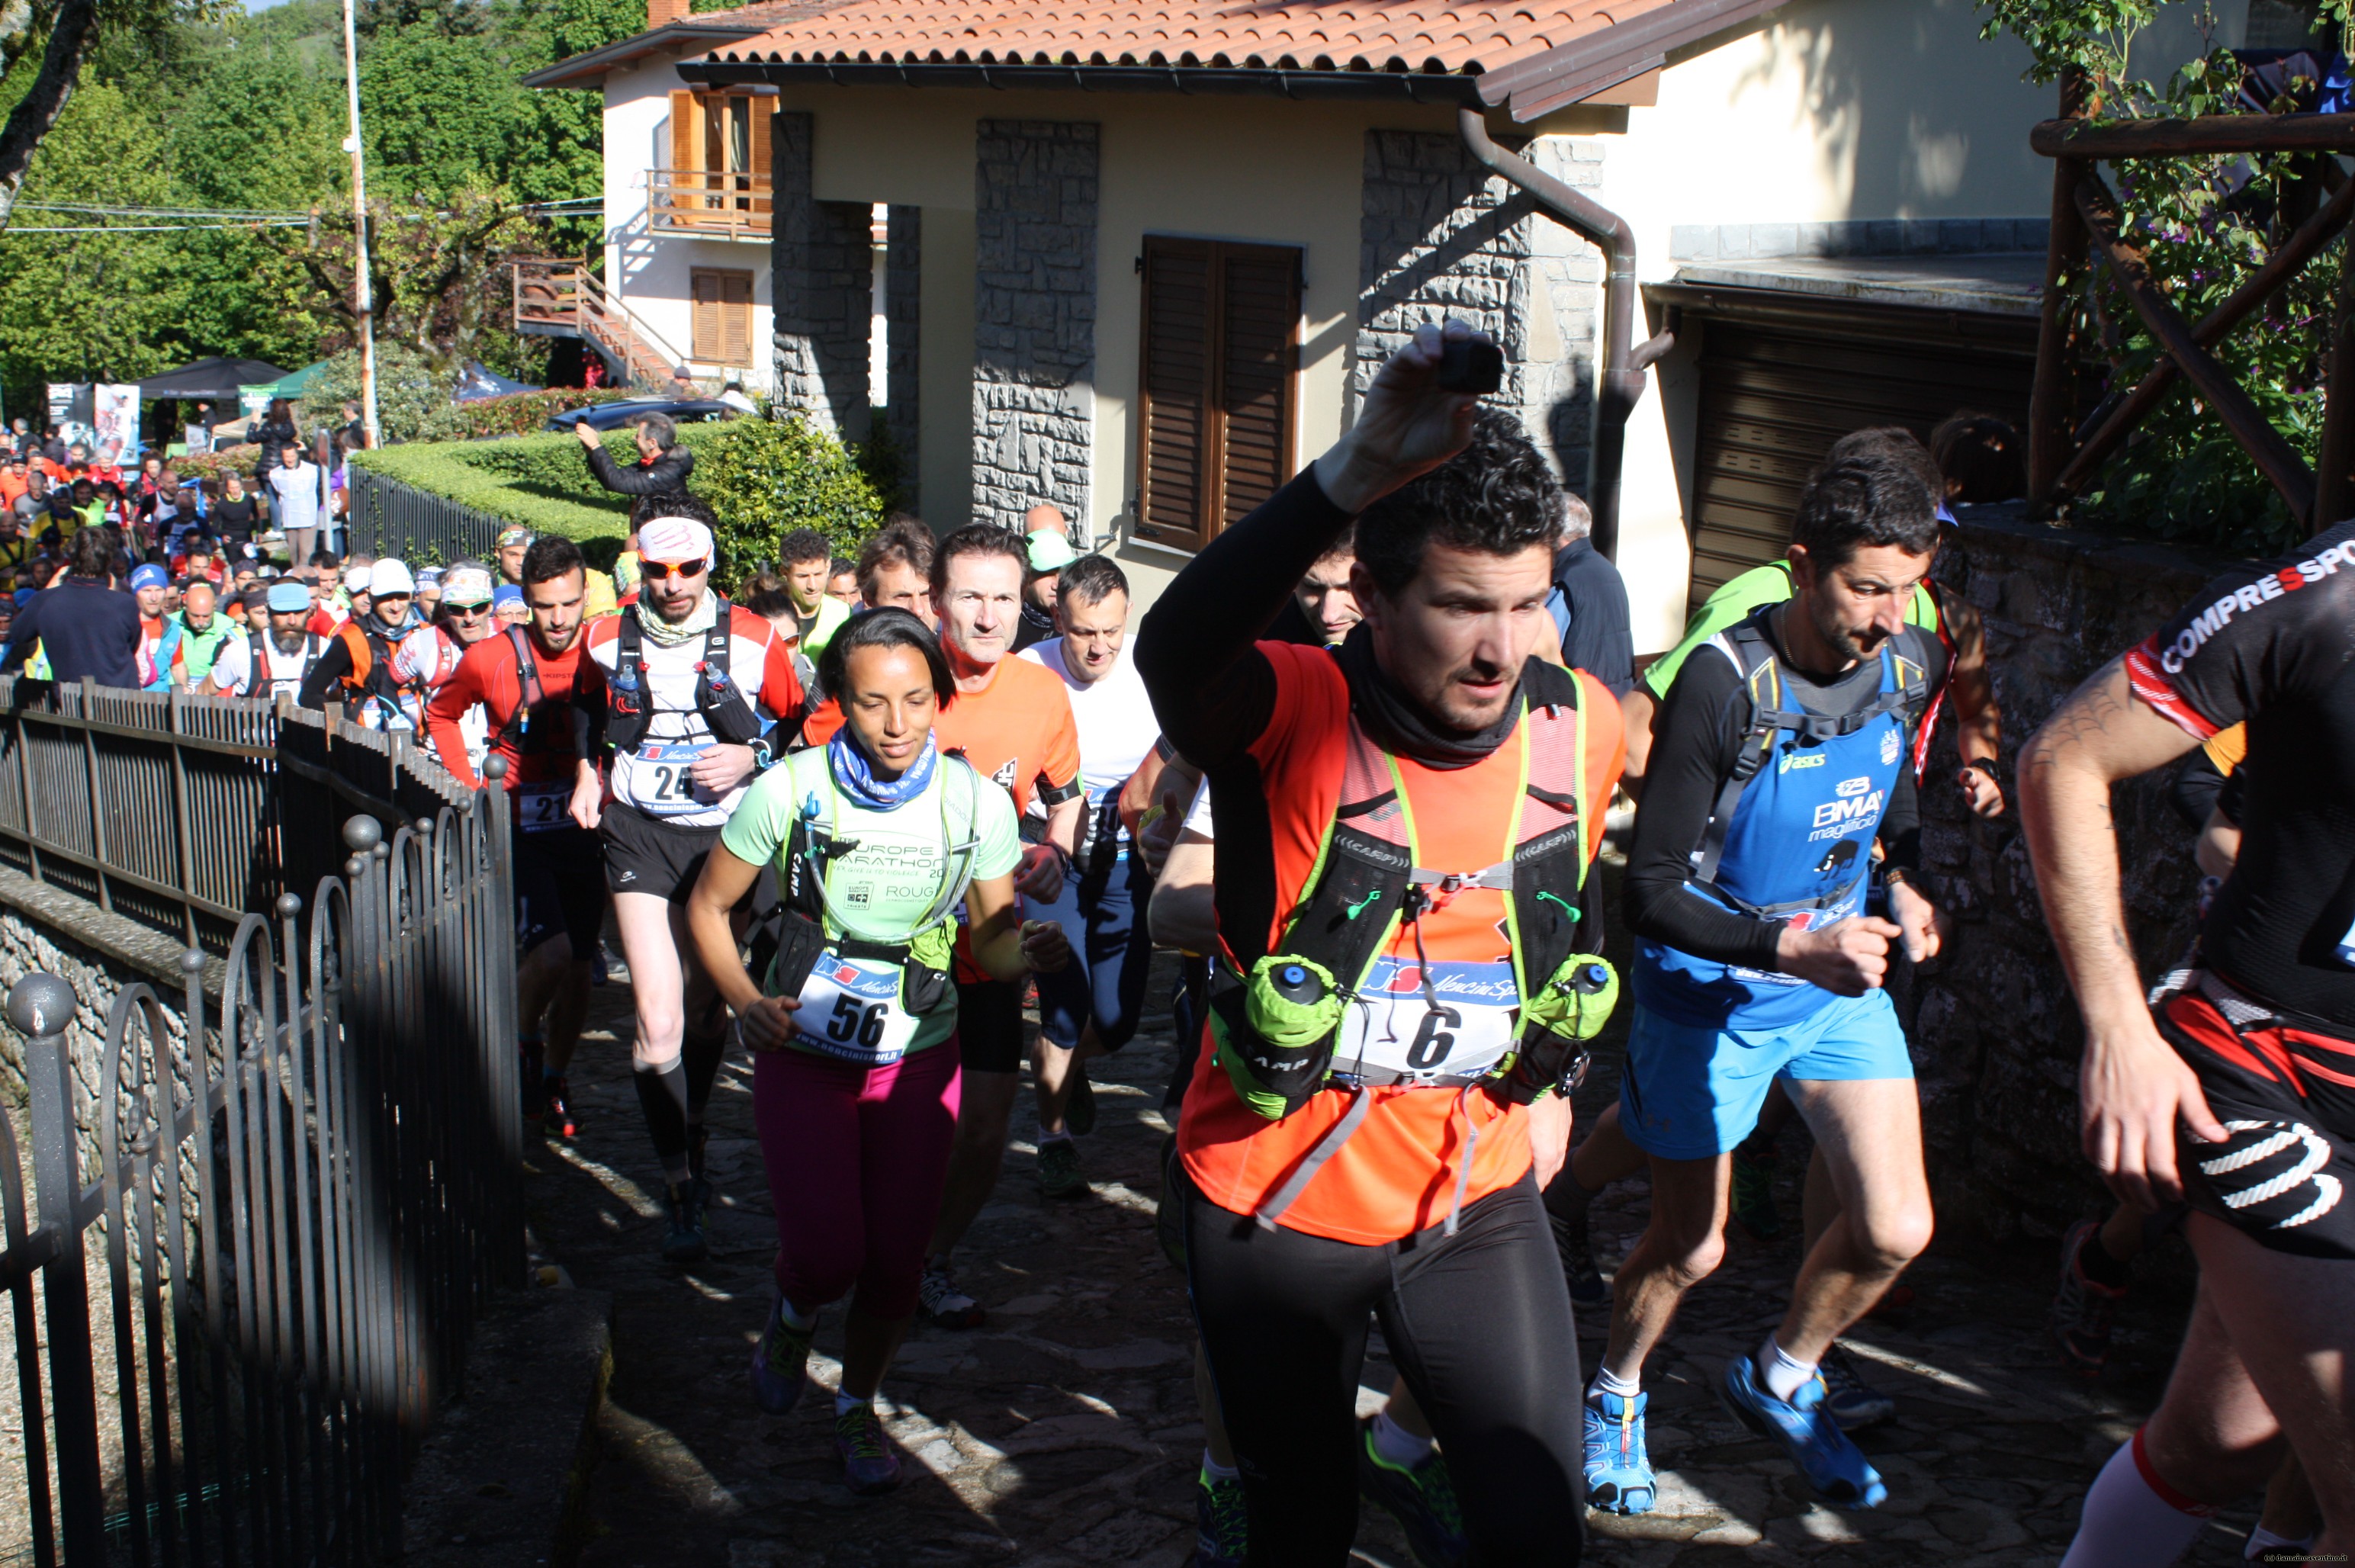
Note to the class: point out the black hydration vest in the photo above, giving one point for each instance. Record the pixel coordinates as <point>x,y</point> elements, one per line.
<point>718,697</point>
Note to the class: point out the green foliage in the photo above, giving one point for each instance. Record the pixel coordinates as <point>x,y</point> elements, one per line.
<point>767,476</point>
<point>2205,224</point>
<point>408,390</point>
<point>515,413</point>
<point>763,478</point>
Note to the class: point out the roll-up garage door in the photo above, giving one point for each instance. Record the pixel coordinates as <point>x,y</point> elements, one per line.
<point>1783,376</point>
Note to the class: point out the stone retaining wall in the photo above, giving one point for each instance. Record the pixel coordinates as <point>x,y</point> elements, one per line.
<point>1997,1033</point>
<point>99,955</point>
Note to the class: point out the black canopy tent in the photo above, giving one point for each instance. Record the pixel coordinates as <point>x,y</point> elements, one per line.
<point>216,378</point>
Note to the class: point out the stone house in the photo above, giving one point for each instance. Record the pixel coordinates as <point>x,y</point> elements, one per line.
<point>1137,259</point>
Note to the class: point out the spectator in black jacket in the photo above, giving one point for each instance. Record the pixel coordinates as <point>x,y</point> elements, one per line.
<point>663,464</point>
<point>1589,605</point>
<point>86,628</point>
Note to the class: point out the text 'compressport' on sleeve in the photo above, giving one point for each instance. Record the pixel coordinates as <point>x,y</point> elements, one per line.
<point>1212,691</point>
<point>2254,636</point>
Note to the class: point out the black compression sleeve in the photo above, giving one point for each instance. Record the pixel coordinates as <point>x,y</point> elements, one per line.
<point>1212,691</point>
<point>334,663</point>
<point>2196,790</point>
<point>1901,825</point>
<point>1695,738</point>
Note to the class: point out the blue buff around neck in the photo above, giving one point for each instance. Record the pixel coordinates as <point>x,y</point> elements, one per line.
<point>854,775</point>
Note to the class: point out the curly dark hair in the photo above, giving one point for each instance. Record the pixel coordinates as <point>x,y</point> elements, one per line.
<point>672,504</point>
<point>800,545</point>
<point>1497,495</point>
<point>551,556</point>
<point>1873,497</point>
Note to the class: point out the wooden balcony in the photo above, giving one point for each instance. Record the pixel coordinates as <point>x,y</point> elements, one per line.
<point>709,204</point>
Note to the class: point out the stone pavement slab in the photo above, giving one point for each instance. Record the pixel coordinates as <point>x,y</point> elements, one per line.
<point>1065,1431</point>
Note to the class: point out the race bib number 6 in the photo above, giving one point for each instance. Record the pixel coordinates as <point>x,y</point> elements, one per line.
<point>1454,1018</point>
<point>850,1010</point>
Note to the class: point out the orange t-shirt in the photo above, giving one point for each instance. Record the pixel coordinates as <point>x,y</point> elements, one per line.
<point>1396,1175</point>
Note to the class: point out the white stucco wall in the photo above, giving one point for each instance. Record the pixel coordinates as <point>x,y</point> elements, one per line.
<point>1825,110</point>
<point>650,271</point>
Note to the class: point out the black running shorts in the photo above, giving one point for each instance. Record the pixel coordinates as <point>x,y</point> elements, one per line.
<point>989,1025</point>
<point>2286,1176</point>
<point>646,855</point>
<point>559,889</point>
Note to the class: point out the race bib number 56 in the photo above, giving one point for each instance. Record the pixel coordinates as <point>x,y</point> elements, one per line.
<point>850,1009</point>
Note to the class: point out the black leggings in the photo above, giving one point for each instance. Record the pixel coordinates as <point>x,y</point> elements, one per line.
<point>1480,1324</point>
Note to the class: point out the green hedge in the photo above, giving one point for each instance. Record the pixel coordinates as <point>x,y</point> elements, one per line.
<point>762,477</point>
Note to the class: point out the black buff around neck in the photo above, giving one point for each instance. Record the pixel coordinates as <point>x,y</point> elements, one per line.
<point>1396,724</point>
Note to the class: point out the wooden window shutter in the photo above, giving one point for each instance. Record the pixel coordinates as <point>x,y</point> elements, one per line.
<point>735,318</point>
<point>1260,308</point>
<point>1217,387</point>
<point>764,110</point>
<point>686,131</point>
<point>707,331</point>
<point>1176,372</point>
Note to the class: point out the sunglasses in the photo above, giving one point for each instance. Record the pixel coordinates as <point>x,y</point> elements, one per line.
<point>467,611</point>
<point>655,570</point>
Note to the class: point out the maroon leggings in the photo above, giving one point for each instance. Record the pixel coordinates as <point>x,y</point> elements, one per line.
<point>857,1159</point>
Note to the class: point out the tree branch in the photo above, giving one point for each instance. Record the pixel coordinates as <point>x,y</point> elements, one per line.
<point>37,111</point>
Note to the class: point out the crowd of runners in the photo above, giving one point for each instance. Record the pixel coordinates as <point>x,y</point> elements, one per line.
<point>1355,767</point>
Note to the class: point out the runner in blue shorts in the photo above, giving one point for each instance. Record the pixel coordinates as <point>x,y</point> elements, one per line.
<point>1779,757</point>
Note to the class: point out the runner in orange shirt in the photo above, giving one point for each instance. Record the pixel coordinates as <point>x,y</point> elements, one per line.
<point>1012,720</point>
<point>1406,970</point>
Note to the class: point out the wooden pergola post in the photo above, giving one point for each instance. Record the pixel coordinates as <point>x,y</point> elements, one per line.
<point>2052,405</point>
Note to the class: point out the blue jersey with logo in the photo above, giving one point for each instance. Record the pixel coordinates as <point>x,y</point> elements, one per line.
<point>1797,850</point>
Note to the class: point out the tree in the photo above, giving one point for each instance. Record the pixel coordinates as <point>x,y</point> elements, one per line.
<point>42,46</point>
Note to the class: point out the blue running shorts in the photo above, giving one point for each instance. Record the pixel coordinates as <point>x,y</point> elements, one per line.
<point>1691,1091</point>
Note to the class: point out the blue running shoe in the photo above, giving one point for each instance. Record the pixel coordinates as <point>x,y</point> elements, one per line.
<point>1618,1469</point>
<point>1834,1466</point>
<point>781,1362</point>
<point>1422,1497</point>
<point>1222,1539</point>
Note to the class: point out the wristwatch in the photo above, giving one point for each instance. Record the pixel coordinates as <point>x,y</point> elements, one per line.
<point>762,757</point>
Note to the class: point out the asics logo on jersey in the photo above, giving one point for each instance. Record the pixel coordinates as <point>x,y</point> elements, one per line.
<point>1794,761</point>
<point>2314,1152</point>
<point>2217,616</point>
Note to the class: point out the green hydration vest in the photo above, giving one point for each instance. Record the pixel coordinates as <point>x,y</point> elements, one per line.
<point>1276,1028</point>
<point>816,925</point>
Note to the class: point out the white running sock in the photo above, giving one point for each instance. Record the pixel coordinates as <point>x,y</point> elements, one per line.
<point>2261,1541</point>
<point>1217,1471</point>
<point>1396,1443</point>
<point>794,1320</point>
<point>1784,1375</point>
<point>1046,1138</point>
<point>2133,1518</point>
<point>848,1402</point>
<point>1626,1388</point>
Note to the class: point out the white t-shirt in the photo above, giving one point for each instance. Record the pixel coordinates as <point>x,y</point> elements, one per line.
<point>430,654</point>
<point>1197,816</point>
<point>1115,714</point>
<point>655,775</point>
<point>232,674</point>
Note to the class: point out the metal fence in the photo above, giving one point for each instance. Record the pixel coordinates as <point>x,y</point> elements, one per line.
<point>388,517</point>
<point>303,1194</point>
<point>184,813</point>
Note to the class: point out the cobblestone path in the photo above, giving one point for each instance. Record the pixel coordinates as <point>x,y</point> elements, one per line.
<point>1065,1431</point>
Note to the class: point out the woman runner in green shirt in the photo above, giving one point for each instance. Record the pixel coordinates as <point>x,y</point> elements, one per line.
<point>877,837</point>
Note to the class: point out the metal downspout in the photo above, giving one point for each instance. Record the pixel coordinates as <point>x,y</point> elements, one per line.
<point>1621,382</point>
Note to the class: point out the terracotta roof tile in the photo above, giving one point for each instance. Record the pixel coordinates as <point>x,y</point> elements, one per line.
<point>1451,36</point>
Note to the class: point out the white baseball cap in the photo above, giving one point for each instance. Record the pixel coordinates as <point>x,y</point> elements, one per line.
<point>356,578</point>
<point>389,577</point>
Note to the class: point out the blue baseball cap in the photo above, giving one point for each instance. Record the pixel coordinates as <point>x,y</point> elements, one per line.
<point>286,594</point>
<point>149,576</point>
<point>505,594</point>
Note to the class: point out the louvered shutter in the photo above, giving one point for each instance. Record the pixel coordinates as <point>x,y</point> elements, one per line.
<point>763,110</point>
<point>707,330</point>
<point>1259,309</point>
<point>686,151</point>
<point>736,318</point>
<point>1174,463</point>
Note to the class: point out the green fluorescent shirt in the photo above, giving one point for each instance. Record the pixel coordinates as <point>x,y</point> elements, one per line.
<point>832,614</point>
<point>895,873</point>
<point>1733,601</point>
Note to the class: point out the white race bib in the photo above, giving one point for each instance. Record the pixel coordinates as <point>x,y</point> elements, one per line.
<point>543,805</point>
<point>850,1009</point>
<point>669,790</point>
<point>1394,1024</point>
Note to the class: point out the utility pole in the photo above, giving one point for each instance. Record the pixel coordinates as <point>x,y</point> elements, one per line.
<point>363,294</point>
